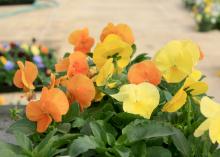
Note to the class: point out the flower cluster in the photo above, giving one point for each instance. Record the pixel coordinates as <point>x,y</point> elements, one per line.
<point>207,14</point>
<point>11,53</point>
<point>106,100</point>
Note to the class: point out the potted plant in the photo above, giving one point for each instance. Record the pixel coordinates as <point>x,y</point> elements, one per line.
<point>111,102</point>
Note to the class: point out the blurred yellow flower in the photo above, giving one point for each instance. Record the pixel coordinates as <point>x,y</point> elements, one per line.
<point>176,59</point>
<point>139,99</point>
<point>25,46</point>
<point>35,50</point>
<point>112,47</point>
<point>3,60</point>
<point>211,110</point>
<point>105,73</point>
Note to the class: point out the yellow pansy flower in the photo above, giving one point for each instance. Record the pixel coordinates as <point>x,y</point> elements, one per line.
<point>139,99</point>
<point>176,59</point>
<point>211,110</point>
<point>3,60</point>
<point>25,46</point>
<point>105,73</point>
<point>192,85</point>
<point>35,50</point>
<point>112,47</point>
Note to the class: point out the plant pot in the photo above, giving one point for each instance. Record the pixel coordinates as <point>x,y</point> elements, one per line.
<point>14,2</point>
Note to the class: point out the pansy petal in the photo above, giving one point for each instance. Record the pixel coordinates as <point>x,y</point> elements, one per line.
<point>202,128</point>
<point>30,74</point>
<point>105,73</point>
<point>17,79</point>
<point>33,111</point>
<point>198,88</point>
<point>208,107</point>
<point>145,71</point>
<point>62,65</point>
<point>214,129</point>
<point>126,93</point>
<point>56,103</point>
<point>43,123</point>
<point>81,85</point>
<point>176,102</point>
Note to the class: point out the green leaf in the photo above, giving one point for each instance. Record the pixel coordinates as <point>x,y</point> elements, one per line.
<point>23,141</point>
<point>122,151</point>
<point>83,144</point>
<point>143,129</point>
<point>157,151</point>
<point>78,123</point>
<point>181,142</point>
<point>73,112</point>
<point>216,153</point>
<point>98,131</point>
<point>122,119</point>
<point>139,149</point>
<point>9,150</point>
<point>25,126</point>
<point>64,127</point>
<point>44,144</point>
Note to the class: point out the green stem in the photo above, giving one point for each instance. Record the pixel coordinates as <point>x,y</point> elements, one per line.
<point>189,111</point>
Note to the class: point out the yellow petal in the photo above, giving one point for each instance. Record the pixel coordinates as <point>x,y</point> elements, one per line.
<point>202,128</point>
<point>111,46</point>
<point>192,78</point>
<point>198,88</point>
<point>35,50</point>
<point>139,99</point>
<point>3,60</point>
<point>214,129</point>
<point>176,60</point>
<point>105,73</point>
<point>176,102</point>
<point>126,93</point>
<point>208,107</point>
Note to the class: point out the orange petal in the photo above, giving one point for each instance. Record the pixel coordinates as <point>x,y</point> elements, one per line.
<point>52,81</point>
<point>122,30</point>
<point>33,111</point>
<point>62,65</point>
<point>17,79</point>
<point>55,103</point>
<point>78,64</point>
<point>31,72</point>
<point>145,71</point>
<point>78,35</point>
<point>43,123</point>
<point>82,89</point>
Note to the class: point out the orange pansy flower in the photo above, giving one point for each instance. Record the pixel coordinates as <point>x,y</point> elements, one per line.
<point>122,30</point>
<point>52,105</point>
<point>81,40</point>
<point>44,49</point>
<point>81,90</point>
<point>25,76</point>
<point>76,63</point>
<point>56,82</point>
<point>145,71</point>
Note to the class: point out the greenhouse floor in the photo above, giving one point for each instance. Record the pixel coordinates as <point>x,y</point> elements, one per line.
<point>154,23</point>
